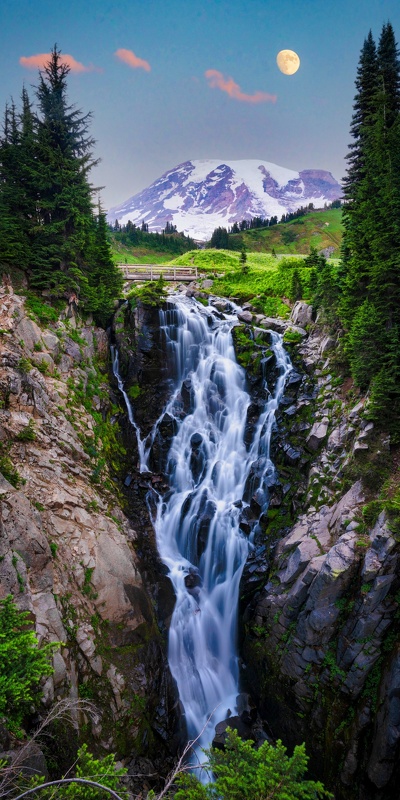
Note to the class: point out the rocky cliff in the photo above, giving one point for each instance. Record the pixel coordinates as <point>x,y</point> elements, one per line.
<point>320,592</point>
<point>321,640</point>
<point>68,551</point>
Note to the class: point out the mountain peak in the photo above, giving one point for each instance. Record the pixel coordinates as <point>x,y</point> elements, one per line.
<point>199,196</point>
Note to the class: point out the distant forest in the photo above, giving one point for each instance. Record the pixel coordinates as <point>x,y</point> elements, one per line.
<point>227,239</point>
<point>168,241</point>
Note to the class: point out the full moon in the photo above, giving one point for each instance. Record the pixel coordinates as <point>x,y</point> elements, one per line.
<point>288,61</point>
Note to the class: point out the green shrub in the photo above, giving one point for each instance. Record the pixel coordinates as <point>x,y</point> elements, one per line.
<point>24,364</point>
<point>134,391</point>
<point>240,772</point>
<point>28,433</point>
<point>292,337</point>
<point>8,470</point>
<point>101,770</point>
<point>22,662</point>
<point>41,310</point>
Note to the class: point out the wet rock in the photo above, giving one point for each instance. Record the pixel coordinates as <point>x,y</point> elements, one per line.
<point>292,455</point>
<point>198,458</point>
<point>273,324</point>
<point>236,724</point>
<point>293,382</point>
<point>193,579</point>
<point>245,316</point>
<point>187,395</point>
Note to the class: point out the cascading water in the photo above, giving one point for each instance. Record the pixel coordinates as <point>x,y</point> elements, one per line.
<point>198,523</point>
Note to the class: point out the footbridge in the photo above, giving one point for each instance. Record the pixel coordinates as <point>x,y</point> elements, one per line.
<point>137,273</point>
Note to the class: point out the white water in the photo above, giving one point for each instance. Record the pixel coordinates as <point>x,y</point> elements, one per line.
<point>202,638</point>
<point>143,452</point>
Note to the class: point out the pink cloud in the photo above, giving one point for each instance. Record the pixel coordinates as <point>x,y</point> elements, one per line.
<point>128,57</point>
<point>40,60</point>
<point>217,81</point>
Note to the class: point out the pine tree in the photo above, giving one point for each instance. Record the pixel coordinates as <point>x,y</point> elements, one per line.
<point>358,184</point>
<point>14,220</point>
<point>64,151</point>
<point>104,279</point>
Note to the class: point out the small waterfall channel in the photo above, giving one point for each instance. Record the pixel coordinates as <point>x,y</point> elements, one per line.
<point>198,522</point>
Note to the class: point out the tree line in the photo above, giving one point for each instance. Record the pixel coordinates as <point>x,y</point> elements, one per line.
<point>49,226</point>
<point>362,296</point>
<point>223,238</point>
<point>168,241</point>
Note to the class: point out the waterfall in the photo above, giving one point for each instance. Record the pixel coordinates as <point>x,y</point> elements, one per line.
<point>213,473</point>
<point>198,522</point>
<point>143,452</point>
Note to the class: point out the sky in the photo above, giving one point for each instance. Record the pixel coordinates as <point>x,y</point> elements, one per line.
<point>192,79</point>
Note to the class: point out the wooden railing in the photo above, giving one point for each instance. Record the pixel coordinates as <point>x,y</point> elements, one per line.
<point>151,272</point>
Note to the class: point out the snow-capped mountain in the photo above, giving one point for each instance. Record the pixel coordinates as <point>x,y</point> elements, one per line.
<point>199,196</point>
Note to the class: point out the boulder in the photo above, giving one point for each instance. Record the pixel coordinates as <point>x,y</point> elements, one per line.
<point>245,316</point>
<point>316,436</point>
<point>327,343</point>
<point>301,314</point>
<point>27,331</point>
<point>273,324</point>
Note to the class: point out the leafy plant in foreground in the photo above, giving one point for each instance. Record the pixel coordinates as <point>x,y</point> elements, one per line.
<point>240,772</point>
<point>22,662</point>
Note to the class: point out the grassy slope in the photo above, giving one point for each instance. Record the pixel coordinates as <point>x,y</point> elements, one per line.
<point>122,254</point>
<point>319,229</point>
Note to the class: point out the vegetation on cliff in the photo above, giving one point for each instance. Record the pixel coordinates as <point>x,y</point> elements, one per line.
<point>23,664</point>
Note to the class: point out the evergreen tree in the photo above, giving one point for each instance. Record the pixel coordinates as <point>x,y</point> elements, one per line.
<point>103,280</point>
<point>358,184</point>
<point>15,210</point>
<point>64,151</point>
<point>220,239</point>
<point>243,261</point>
<point>296,287</point>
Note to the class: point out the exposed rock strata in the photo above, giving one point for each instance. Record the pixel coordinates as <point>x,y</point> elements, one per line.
<point>67,551</point>
<point>322,634</point>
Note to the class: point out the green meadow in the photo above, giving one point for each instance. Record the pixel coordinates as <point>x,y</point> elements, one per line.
<point>265,279</point>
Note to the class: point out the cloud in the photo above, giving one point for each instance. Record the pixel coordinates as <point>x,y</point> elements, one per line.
<point>217,81</point>
<point>128,57</point>
<point>40,60</point>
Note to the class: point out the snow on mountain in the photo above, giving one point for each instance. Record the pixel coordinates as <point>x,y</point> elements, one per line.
<point>199,196</point>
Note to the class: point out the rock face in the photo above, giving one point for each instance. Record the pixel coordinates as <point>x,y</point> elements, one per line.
<point>322,632</point>
<point>67,551</point>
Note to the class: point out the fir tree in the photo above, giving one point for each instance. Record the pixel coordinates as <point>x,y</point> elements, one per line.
<point>64,151</point>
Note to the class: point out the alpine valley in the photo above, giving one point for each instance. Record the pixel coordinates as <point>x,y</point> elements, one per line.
<point>199,196</point>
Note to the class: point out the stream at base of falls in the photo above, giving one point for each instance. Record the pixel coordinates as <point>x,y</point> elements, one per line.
<point>198,521</point>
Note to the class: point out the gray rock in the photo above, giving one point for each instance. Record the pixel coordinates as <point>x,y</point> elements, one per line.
<point>301,314</point>
<point>245,316</point>
<point>385,747</point>
<point>29,332</point>
<point>302,556</point>
<point>327,343</point>
<point>274,324</point>
<point>296,329</point>
<point>51,343</point>
<point>317,435</point>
